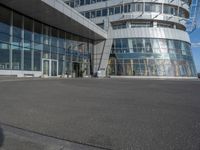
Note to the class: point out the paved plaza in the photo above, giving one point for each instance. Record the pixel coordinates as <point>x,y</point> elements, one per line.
<point>95,114</point>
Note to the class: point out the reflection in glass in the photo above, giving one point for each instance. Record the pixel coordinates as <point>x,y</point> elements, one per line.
<point>23,46</point>
<point>151,57</point>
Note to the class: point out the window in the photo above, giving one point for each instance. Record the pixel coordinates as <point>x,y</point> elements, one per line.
<point>122,8</point>
<point>27,60</point>
<point>134,45</point>
<point>148,47</point>
<point>148,7</point>
<point>87,15</point>
<point>37,61</point>
<point>98,12</point>
<point>37,32</point>
<point>140,45</point>
<point>182,13</point>
<point>155,45</point>
<point>4,56</point>
<point>124,45</point>
<point>119,26</point>
<point>17,41</point>
<point>163,46</point>
<point>93,1</point>
<point>151,7</point>
<point>87,2</point>
<point>93,14</point>
<point>4,37</point>
<point>170,45</point>
<point>170,10</point>
<point>138,7</point>
<point>61,41</point>
<point>127,8</point>
<point>28,31</point>
<point>81,2</point>
<point>111,11</point>
<point>117,10</point>
<point>164,25</point>
<point>16,58</point>
<point>173,11</point>
<point>133,7</point>
<point>46,36</point>
<point>5,20</point>
<point>183,48</point>
<point>76,3</point>
<point>28,28</point>
<point>5,25</point>
<point>157,8</point>
<point>141,24</point>
<point>17,25</point>
<point>104,12</point>
<point>54,40</point>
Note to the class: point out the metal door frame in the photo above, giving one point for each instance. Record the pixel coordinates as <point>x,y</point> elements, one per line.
<point>50,66</point>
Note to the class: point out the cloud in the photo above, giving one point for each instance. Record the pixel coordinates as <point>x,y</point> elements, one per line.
<point>196,44</point>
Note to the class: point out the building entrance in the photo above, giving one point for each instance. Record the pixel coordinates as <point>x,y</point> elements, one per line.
<point>77,69</point>
<point>50,67</point>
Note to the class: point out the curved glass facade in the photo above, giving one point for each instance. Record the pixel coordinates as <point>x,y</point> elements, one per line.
<point>29,45</point>
<point>137,7</point>
<point>151,57</point>
<point>76,3</point>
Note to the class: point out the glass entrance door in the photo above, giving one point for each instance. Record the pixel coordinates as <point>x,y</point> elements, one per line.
<point>50,67</point>
<point>54,68</point>
<point>46,65</point>
<point>77,69</point>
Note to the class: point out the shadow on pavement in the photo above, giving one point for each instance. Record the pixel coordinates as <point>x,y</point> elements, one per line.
<point>1,137</point>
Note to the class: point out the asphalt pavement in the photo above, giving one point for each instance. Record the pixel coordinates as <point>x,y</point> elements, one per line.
<point>117,114</point>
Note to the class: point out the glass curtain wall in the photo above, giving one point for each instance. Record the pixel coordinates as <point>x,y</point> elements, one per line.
<point>151,57</point>
<point>5,39</point>
<point>25,42</point>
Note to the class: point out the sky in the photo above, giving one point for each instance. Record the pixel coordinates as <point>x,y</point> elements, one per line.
<point>195,40</point>
<point>195,36</point>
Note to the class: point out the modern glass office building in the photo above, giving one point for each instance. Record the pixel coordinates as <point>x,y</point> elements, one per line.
<point>107,37</point>
<point>37,46</point>
<point>147,38</point>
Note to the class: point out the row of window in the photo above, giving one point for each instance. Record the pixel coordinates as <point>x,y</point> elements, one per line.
<point>150,67</point>
<point>77,3</point>
<point>146,24</point>
<point>133,25</point>
<point>147,45</point>
<point>29,33</point>
<point>136,7</point>
<point>12,59</point>
<point>24,42</point>
<point>16,58</point>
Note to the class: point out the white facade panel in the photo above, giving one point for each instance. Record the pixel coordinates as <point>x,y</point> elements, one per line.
<point>164,33</point>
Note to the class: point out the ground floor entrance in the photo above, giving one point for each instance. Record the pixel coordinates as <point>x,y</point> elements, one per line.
<point>77,69</point>
<point>50,67</point>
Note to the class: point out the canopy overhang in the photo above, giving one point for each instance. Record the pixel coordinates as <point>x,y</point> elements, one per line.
<point>57,14</point>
